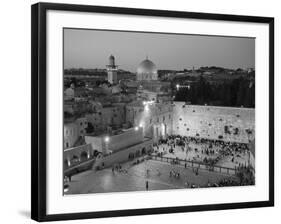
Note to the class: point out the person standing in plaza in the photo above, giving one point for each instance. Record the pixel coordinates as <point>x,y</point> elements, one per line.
<point>146,185</point>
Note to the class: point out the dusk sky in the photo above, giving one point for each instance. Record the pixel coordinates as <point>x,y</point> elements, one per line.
<point>91,49</point>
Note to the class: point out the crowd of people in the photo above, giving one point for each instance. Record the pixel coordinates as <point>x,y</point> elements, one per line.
<point>118,168</point>
<point>207,151</point>
<point>224,183</point>
<point>174,174</point>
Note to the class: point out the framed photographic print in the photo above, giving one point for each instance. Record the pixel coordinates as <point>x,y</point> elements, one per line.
<point>139,111</point>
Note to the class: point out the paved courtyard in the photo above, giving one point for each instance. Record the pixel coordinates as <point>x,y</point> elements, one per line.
<point>134,177</point>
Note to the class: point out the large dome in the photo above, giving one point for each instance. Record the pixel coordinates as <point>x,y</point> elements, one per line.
<point>146,67</point>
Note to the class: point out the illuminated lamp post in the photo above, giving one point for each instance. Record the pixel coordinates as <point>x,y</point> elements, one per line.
<point>163,130</point>
<point>146,108</point>
<point>106,140</point>
<point>68,162</point>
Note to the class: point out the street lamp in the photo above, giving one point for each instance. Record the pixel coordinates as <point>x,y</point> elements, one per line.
<point>106,139</point>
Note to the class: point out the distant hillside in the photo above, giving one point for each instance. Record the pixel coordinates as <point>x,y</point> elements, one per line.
<point>96,72</point>
<point>219,91</point>
<point>211,74</point>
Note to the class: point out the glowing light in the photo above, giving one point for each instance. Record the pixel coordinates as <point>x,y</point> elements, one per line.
<point>106,139</point>
<point>148,102</point>
<point>177,86</point>
<point>146,108</point>
<point>136,128</point>
<point>141,125</point>
<point>66,189</point>
<point>163,129</point>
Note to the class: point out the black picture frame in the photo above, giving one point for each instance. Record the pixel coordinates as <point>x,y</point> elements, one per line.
<point>39,122</point>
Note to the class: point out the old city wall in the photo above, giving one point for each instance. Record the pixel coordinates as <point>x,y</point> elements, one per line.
<point>125,139</point>
<point>123,155</point>
<point>211,121</point>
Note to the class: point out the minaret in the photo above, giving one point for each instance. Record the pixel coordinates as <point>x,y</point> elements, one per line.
<point>112,70</point>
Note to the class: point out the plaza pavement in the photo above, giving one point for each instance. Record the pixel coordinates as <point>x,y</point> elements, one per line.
<point>136,176</point>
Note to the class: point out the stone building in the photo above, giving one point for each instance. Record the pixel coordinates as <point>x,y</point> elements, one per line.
<point>74,131</point>
<point>154,118</point>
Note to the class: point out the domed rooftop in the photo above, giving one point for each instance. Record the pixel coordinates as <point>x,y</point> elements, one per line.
<point>146,67</point>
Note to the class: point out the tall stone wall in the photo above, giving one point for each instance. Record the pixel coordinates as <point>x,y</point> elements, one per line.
<point>123,155</point>
<point>226,123</point>
<point>106,143</point>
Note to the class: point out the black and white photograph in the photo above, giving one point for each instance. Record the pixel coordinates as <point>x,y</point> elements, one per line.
<point>147,111</point>
<point>140,112</point>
